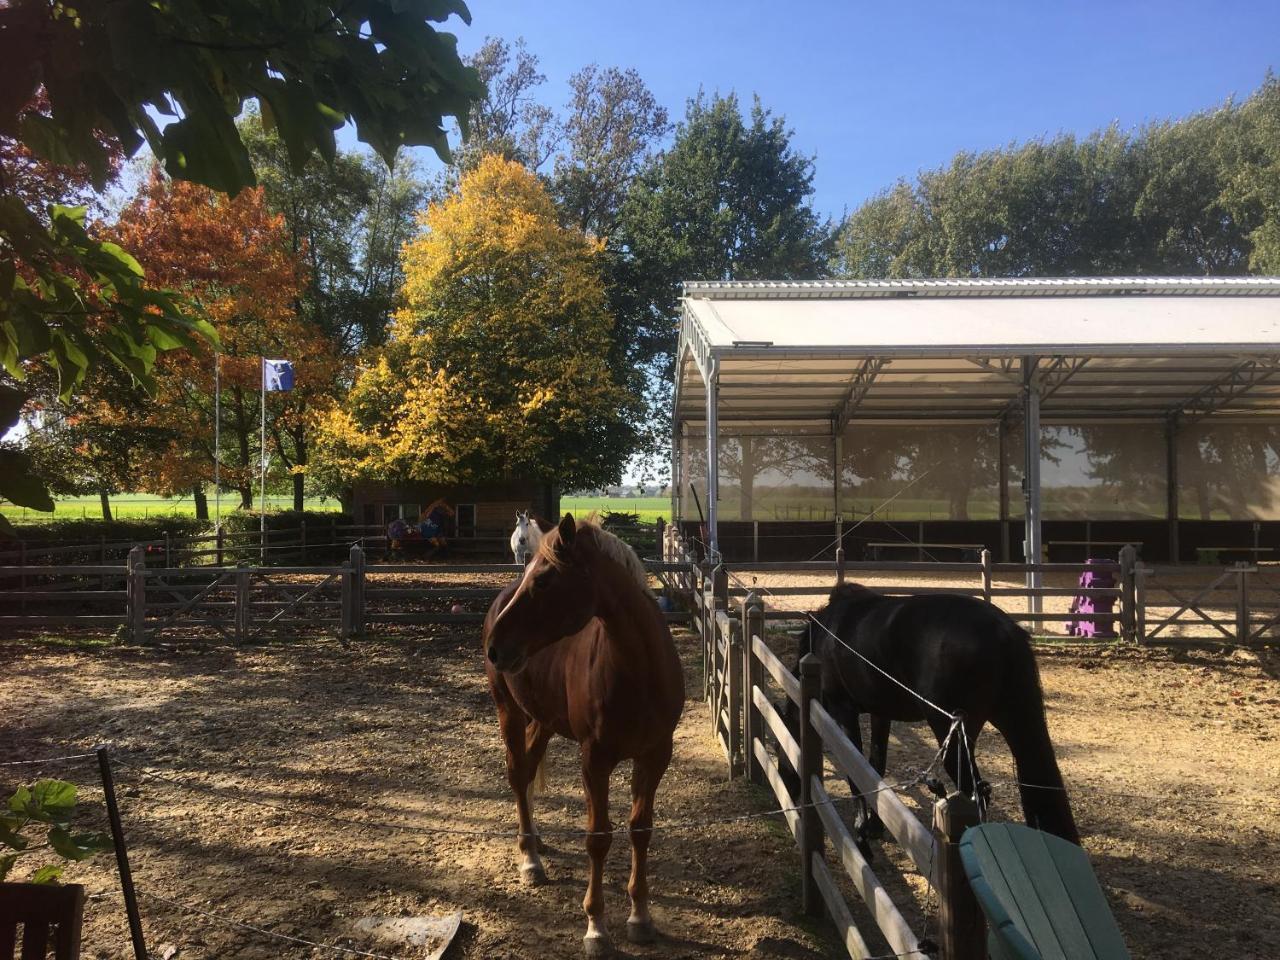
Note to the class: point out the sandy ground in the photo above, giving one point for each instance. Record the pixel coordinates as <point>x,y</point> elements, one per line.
<point>1173,760</point>
<point>396,731</point>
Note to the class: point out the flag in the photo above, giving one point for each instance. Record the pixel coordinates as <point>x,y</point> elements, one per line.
<point>277,375</point>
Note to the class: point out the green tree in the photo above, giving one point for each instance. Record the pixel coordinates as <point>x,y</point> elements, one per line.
<point>68,299</point>
<point>729,200</point>
<point>496,364</point>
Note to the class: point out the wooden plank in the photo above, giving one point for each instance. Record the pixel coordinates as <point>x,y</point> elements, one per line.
<point>879,903</point>
<point>40,570</point>
<point>914,838</point>
<point>60,620</point>
<point>788,681</point>
<point>999,568</point>
<point>431,569</point>
<point>388,593</point>
<point>1052,892</point>
<point>839,911</point>
<point>1013,884</point>
<point>1056,592</point>
<point>786,742</point>
<point>774,779</point>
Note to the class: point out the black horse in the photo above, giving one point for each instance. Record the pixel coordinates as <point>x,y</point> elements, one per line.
<point>962,654</point>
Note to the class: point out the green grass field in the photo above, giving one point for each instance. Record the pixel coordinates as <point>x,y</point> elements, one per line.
<point>649,509</point>
<point>129,505</point>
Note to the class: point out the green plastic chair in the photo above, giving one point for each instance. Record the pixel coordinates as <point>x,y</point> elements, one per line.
<point>1040,896</point>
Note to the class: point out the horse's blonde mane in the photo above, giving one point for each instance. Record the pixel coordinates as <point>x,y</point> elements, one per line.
<point>612,546</point>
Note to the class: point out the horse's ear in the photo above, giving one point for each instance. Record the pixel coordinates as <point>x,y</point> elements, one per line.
<point>567,529</point>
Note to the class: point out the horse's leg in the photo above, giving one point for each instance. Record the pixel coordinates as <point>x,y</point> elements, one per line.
<point>514,723</point>
<point>596,768</point>
<point>645,776</point>
<point>536,739</point>
<point>845,712</point>
<point>872,826</point>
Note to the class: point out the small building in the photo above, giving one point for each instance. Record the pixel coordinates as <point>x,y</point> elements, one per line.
<point>482,510</point>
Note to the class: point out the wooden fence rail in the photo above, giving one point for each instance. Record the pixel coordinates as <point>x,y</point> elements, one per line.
<point>758,742</point>
<point>153,601</point>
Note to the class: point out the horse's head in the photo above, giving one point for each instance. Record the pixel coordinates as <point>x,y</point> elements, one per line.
<point>555,599</point>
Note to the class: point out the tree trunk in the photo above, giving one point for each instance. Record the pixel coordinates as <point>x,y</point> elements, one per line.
<point>106,503</point>
<point>300,460</point>
<point>246,497</point>
<point>202,502</point>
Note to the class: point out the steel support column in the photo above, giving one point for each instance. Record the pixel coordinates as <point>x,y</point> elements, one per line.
<point>713,461</point>
<point>1032,545</point>
<point>1002,447</point>
<point>1171,483</point>
<point>837,462</point>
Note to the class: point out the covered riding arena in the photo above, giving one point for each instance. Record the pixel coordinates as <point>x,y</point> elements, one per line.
<point>1154,405</point>
<point>1040,421</point>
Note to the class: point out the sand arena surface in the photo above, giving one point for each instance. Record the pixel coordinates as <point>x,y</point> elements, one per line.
<point>1173,760</point>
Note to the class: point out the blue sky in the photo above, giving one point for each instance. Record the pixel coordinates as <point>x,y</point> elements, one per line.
<point>876,91</point>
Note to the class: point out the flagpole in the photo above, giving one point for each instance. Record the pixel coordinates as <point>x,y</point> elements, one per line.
<point>217,441</point>
<point>262,512</point>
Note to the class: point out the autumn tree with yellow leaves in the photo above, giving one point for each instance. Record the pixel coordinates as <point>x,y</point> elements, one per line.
<point>496,366</point>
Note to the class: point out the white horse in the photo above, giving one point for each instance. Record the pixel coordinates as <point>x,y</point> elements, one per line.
<point>525,538</point>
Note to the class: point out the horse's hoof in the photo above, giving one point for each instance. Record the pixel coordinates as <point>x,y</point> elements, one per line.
<point>597,945</point>
<point>533,876</point>
<point>641,931</point>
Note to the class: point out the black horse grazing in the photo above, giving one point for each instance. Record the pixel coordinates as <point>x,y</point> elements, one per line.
<point>963,654</point>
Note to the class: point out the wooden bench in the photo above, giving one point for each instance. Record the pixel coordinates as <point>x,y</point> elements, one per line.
<point>46,912</point>
<point>1040,896</point>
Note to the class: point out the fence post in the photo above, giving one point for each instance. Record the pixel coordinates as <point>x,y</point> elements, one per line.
<point>219,544</point>
<point>752,676</point>
<point>344,627</point>
<point>22,562</point>
<point>717,599</point>
<point>357,590</point>
<point>1128,593</point>
<point>733,667</point>
<point>302,538</point>
<point>755,541</point>
<point>168,546</point>
<point>985,559</point>
<point>962,929</point>
<point>703,584</point>
<point>102,559</point>
<point>244,616</point>
<point>811,833</point>
<point>660,531</point>
<point>136,594</point>
<point>1242,603</point>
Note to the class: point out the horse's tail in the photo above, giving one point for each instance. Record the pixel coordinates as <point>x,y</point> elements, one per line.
<point>1022,722</point>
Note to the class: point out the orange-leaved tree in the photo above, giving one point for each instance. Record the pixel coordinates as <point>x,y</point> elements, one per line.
<point>496,364</point>
<point>233,257</point>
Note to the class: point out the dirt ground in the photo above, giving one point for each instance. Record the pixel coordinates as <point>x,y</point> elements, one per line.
<point>1172,759</point>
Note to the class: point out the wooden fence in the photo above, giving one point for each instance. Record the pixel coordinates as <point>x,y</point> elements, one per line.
<point>243,603</point>
<point>741,678</point>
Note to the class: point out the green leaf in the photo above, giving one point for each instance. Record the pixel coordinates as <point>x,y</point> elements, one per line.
<point>6,864</point>
<point>11,401</point>
<point>9,835</point>
<point>19,484</point>
<point>79,846</point>
<point>49,801</point>
<point>48,873</point>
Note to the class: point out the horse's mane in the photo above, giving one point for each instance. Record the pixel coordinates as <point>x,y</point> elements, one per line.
<point>608,544</point>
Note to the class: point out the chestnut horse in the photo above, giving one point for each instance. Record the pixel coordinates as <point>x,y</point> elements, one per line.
<point>577,646</point>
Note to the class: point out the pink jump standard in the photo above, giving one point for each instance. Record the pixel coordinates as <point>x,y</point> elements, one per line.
<point>577,646</point>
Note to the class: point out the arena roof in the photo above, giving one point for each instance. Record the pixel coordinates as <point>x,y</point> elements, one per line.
<point>945,350</point>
